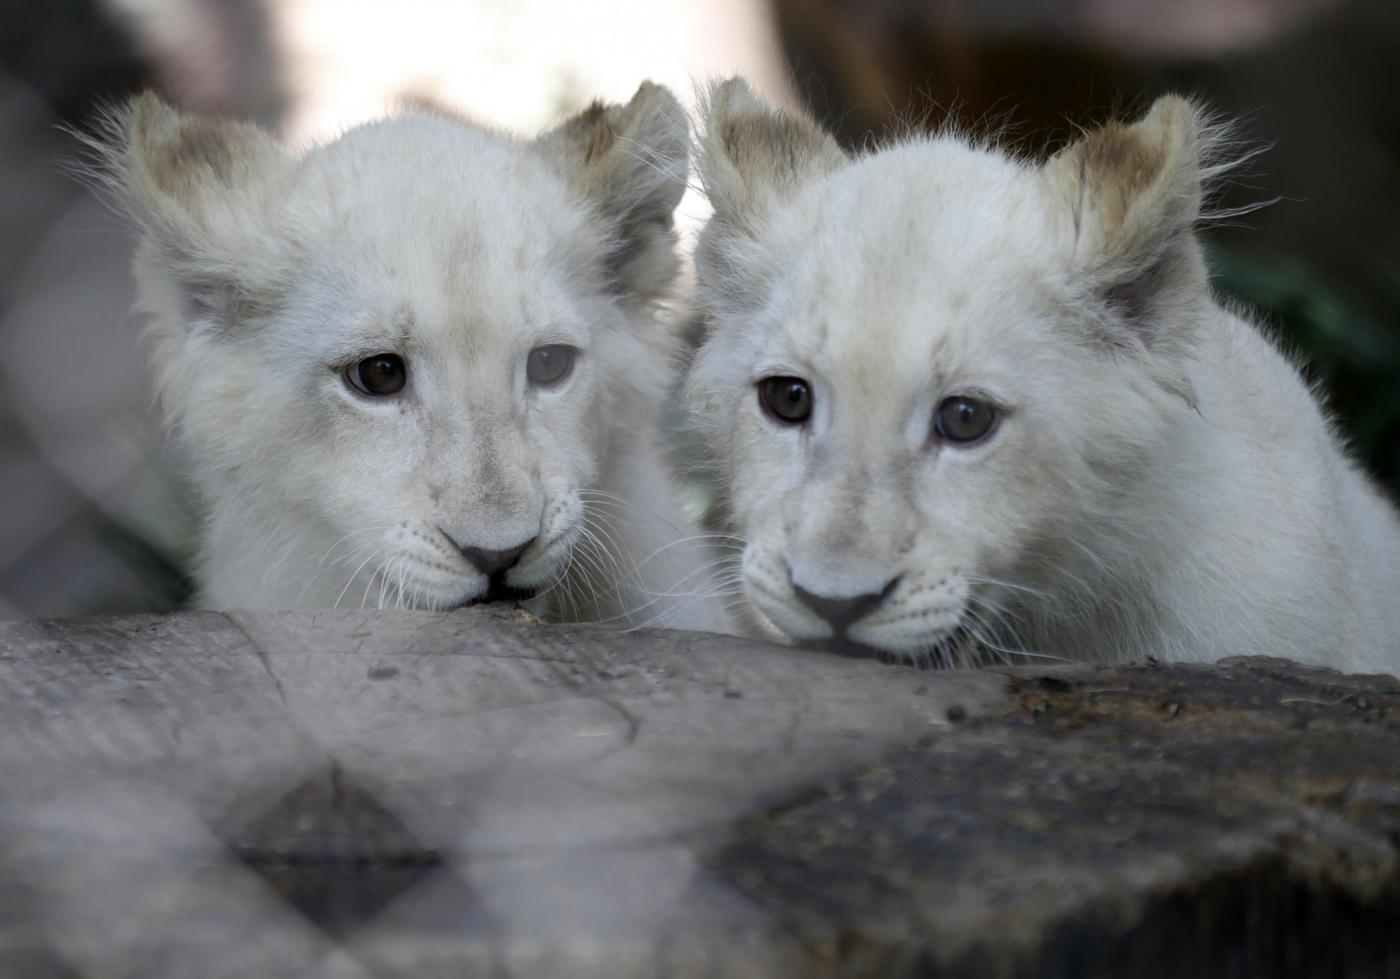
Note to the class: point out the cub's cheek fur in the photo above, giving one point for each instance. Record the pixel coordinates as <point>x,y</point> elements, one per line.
<point>1188,498</point>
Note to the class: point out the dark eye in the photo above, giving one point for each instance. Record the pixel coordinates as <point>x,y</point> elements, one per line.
<point>378,376</point>
<point>962,420</point>
<point>548,366</point>
<point>788,399</point>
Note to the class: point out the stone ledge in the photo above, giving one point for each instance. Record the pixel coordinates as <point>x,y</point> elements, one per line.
<point>407,794</point>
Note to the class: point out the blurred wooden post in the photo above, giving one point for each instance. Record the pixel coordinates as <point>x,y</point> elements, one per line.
<point>409,794</point>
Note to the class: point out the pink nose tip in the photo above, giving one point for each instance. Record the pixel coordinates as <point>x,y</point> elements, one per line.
<point>842,613</point>
<point>489,562</point>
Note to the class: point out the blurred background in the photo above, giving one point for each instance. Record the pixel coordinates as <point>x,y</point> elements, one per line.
<point>93,515</point>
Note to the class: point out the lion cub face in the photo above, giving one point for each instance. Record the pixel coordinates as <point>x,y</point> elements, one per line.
<point>929,367</point>
<point>397,356</point>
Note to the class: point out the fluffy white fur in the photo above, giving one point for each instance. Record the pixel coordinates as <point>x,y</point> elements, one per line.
<point>1162,482</point>
<point>266,274</point>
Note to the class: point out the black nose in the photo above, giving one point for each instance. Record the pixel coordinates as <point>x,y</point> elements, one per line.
<point>492,563</point>
<point>843,612</point>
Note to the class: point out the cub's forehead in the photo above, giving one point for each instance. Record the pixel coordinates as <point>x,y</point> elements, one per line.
<point>927,253</point>
<point>454,223</point>
<point>935,208</point>
<point>421,186</point>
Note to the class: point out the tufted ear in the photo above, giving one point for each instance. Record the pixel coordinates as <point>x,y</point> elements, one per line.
<point>633,162</point>
<point>1129,197</point>
<point>752,155</point>
<point>203,189</point>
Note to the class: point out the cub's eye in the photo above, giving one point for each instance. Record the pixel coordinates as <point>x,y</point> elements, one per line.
<point>378,376</point>
<point>963,420</point>
<point>548,366</point>
<point>787,399</point>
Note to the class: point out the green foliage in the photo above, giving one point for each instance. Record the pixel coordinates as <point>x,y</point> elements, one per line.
<point>168,574</point>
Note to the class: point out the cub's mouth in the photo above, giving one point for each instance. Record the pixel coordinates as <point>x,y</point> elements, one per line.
<point>849,648</point>
<point>499,591</point>
<point>955,648</point>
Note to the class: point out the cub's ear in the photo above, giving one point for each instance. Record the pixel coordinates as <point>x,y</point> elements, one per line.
<point>1129,197</point>
<point>752,155</point>
<point>633,162</point>
<point>203,188</point>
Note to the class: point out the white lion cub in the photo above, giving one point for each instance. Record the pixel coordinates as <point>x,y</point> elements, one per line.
<point>420,365</point>
<point>966,405</point>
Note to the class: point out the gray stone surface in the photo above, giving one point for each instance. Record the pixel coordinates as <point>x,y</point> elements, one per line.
<point>409,794</point>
